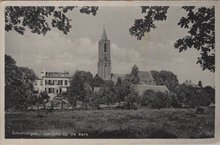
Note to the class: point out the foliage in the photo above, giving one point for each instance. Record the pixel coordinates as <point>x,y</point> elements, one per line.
<point>147,97</point>
<point>108,93</point>
<point>167,78</point>
<point>95,100</point>
<point>80,87</point>
<point>200,22</point>
<point>141,26</point>
<point>191,96</point>
<point>176,102</point>
<point>97,81</point>
<point>201,35</point>
<point>161,100</point>
<point>131,99</point>
<point>18,85</point>
<point>202,99</point>
<point>156,99</point>
<point>210,93</point>
<point>43,98</point>
<point>134,73</point>
<point>40,19</point>
<point>186,95</point>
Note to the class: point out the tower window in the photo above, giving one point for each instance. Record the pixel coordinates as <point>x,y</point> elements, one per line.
<point>105,49</point>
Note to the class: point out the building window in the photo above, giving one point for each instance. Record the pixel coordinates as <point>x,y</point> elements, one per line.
<point>50,82</point>
<point>105,49</point>
<point>50,90</point>
<point>66,82</point>
<point>60,82</point>
<point>56,82</point>
<point>46,82</point>
<point>41,83</point>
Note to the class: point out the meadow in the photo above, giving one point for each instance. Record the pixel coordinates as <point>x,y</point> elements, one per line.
<point>141,123</point>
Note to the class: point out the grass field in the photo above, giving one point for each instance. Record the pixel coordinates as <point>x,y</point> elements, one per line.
<point>141,123</point>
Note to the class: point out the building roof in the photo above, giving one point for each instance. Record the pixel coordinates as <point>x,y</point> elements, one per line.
<point>115,77</point>
<point>141,88</point>
<point>145,75</point>
<point>57,74</point>
<point>104,36</point>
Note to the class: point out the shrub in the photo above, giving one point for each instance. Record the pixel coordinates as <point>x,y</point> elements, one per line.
<point>156,99</point>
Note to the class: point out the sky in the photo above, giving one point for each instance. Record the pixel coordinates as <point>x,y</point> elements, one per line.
<point>78,50</point>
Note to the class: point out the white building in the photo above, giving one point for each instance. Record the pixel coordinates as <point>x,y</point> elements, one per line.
<point>53,83</point>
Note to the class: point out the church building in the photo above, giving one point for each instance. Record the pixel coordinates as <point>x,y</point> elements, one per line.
<point>146,82</point>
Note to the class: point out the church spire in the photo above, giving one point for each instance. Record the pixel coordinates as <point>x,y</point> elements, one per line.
<point>104,36</point>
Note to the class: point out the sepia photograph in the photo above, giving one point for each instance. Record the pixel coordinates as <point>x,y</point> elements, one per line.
<point>109,72</point>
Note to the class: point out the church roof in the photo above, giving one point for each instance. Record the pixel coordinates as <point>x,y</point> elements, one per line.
<point>145,75</point>
<point>115,77</point>
<point>104,36</point>
<point>141,88</point>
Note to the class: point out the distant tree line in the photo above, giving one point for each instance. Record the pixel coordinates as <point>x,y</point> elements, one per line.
<point>93,92</point>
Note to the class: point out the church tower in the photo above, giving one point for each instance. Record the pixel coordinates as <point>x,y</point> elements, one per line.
<point>104,62</point>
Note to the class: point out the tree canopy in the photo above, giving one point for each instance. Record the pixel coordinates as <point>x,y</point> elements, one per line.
<point>200,23</point>
<point>40,19</point>
<point>79,88</point>
<point>18,85</point>
<point>167,78</point>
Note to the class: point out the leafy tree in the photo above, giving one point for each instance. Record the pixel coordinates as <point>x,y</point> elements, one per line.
<point>97,81</point>
<point>12,80</point>
<point>18,85</point>
<point>187,95</point>
<point>134,71</point>
<point>28,77</point>
<point>122,90</point>
<point>156,99</point>
<point>43,99</point>
<point>205,97</point>
<point>80,87</point>
<point>119,82</point>
<point>95,100</point>
<point>176,102</point>
<point>201,35</point>
<point>131,99</point>
<point>167,78</point>
<point>141,26</point>
<point>200,22</point>
<point>40,19</point>
<point>108,92</point>
<point>161,100</point>
<point>202,99</point>
<point>147,97</point>
<point>28,74</point>
<point>210,92</point>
